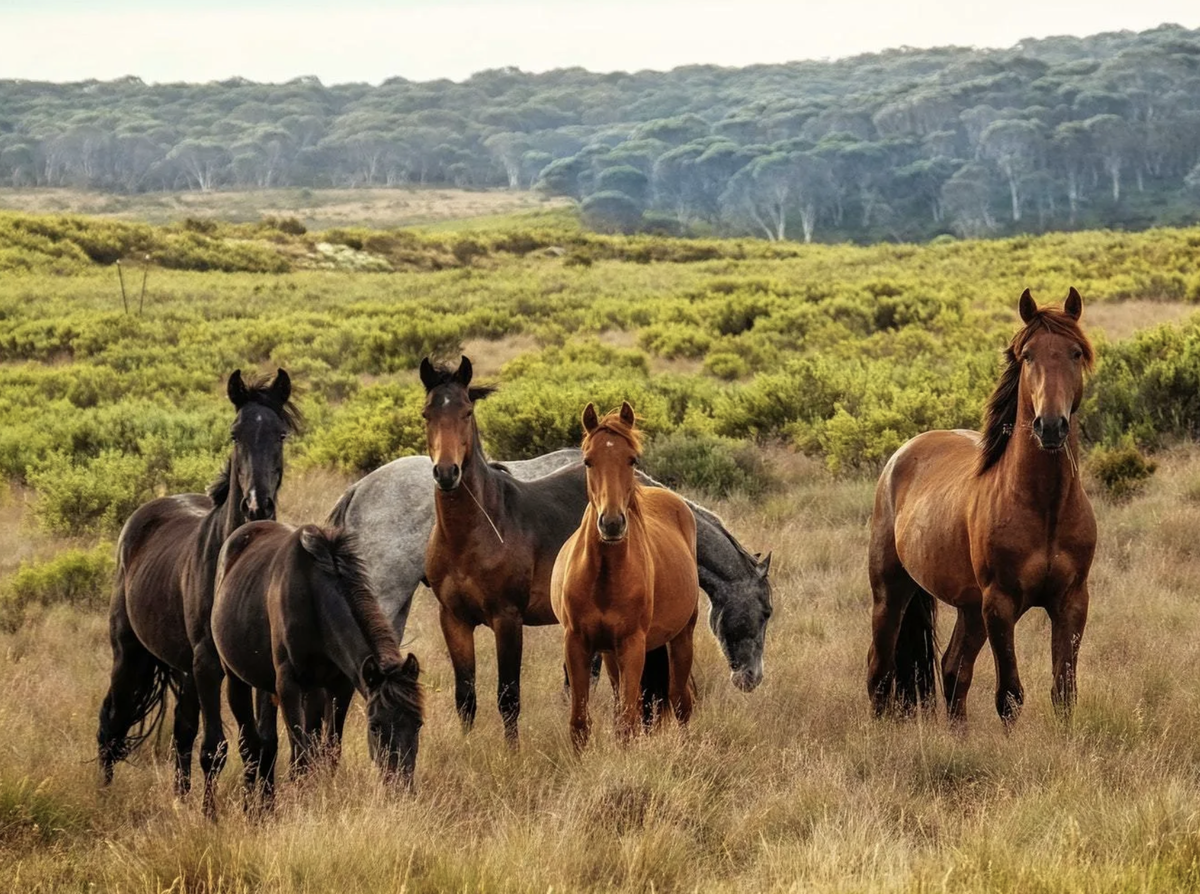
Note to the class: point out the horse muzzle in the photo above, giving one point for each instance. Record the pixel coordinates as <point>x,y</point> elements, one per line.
<point>613,528</point>
<point>1051,431</point>
<point>447,477</point>
<point>254,509</point>
<point>747,677</point>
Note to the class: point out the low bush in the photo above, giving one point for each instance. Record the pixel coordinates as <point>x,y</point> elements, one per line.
<point>712,465</point>
<point>1121,470</point>
<point>79,577</point>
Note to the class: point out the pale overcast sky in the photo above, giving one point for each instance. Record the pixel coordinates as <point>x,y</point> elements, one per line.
<point>275,40</point>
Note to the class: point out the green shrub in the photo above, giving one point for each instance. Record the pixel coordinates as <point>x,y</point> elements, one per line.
<point>79,577</point>
<point>1122,470</point>
<point>710,464</point>
<point>378,424</point>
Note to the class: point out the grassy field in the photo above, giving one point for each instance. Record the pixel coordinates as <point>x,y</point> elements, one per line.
<point>816,362</point>
<point>792,787</point>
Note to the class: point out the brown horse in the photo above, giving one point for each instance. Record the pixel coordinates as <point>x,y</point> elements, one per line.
<point>493,543</point>
<point>293,616</point>
<point>166,562</point>
<point>993,524</point>
<point>625,582</point>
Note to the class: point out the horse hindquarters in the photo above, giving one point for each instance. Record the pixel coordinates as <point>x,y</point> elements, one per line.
<point>137,690</point>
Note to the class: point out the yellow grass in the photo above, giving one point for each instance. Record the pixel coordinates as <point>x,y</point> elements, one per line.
<point>791,788</point>
<point>317,209</point>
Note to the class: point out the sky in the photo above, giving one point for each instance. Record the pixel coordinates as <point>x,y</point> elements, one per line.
<point>276,40</point>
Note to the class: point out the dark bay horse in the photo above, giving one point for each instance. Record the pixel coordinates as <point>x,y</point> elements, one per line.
<point>166,562</point>
<point>294,616</point>
<point>625,582</point>
<point>493,543</point>
<point>391,514</point>
<point>993,523</point>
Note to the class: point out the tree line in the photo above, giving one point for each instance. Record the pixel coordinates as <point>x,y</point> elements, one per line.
<point>1056,133</point>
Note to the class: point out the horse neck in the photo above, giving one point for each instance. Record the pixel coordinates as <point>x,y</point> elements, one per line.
<point>1039,478</point>
<point>220,522</point>
<point>346,643</point>
<point>719,558</point>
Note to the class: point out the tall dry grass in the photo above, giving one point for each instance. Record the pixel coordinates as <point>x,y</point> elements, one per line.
<point>792,787</point>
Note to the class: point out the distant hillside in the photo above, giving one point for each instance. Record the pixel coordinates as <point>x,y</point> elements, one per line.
<point>1050,134</point>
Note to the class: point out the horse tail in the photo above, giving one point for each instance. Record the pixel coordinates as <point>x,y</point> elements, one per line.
<point>656,683</point>
<point>136,699</point>
<point>916,653</point>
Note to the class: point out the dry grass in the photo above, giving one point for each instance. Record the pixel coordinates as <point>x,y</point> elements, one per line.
<point>317,209</point>
<point>792,787</point>
<point>1120,319</point>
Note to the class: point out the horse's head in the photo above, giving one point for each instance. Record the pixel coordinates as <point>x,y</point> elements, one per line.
<point>611,447</point>
<point>740,625</point>
<point>395,713</point>
<point>265,417</point>
<point>1053,354</point>
<point>450,430</point>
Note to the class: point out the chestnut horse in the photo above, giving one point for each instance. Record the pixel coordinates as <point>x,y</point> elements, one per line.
<point>625,582</point>
<point>295,619</point>
<point>166,562</point>
<point>993,523</point>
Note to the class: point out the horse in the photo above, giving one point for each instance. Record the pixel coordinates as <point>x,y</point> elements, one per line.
<point>294,617</point>
<point>493,544</point>
<point>993,523</point>
<point>166,561</point>
<point>391,514</point>
<point>625,582</point>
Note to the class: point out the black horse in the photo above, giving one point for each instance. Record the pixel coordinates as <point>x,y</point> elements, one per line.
<point>166,564</point>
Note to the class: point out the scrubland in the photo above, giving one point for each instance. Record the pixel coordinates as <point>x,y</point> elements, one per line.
<point>773,381</point>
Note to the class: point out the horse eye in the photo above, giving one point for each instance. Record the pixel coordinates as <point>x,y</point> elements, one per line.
<point>633,461</point>
<point>587,463</point>
<point>1078,355</point>
<point>283,436</point>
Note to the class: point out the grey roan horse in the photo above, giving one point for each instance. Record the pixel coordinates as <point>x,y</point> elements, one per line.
<point>166,562</point>
<point>390,512</point>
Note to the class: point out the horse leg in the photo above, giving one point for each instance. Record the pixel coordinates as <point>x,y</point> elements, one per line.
<point>266,716</point>
<point>1000,618</point>
<point>958,661</point>
<point>891,595</point>
<point>314,721</point>
<point>1067,621</point>
<point>187,724</point>
<point>460,643</point>
<point>679,651</point>
<point>241,705</point>
<point>509,632</point>
<point>656,685</point>
<point>578,658</point>
<point>291,700</point>
<point>631,659</point>
<point>208,675</point>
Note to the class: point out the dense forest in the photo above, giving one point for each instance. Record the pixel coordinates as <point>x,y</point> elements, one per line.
<point>1059,133</point>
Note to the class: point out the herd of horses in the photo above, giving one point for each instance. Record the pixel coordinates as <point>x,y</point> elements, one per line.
<point>210,590</point>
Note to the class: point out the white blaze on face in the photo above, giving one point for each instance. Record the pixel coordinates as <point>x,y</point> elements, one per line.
<point>608,443</point>
<point>252,500</point>
<point>446,400</point>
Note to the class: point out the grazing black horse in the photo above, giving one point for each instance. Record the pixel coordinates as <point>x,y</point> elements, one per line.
<point>166,563</point>
<point>294,616</point>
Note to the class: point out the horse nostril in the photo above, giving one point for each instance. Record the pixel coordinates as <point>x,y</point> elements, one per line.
<point>1037,426</point>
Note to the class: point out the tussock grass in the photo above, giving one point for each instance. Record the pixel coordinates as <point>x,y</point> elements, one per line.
<point>790,788</point>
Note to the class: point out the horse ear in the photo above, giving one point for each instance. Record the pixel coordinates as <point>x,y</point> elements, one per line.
<point>281,388</point>
<point>590,420</point>
<point>627,413</point>
<point>236,389</point>
<point>429,376</point>
<point>372,673</point>
<point>1027,306</point>
<point>463,374</point>
<point>411,667</point>
<point>764,566</point>
<point>1074,304</point>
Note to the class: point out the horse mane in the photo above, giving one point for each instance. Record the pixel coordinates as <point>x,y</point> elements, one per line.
<point>611,422</point>
<point>1000,414</point>
<point>218,491</point>
<point>444,375</point>
<point>334,552</point>
<point>259,391</point>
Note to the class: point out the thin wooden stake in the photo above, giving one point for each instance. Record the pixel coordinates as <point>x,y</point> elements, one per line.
<point>145,273</point>
<point>121,277</point>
